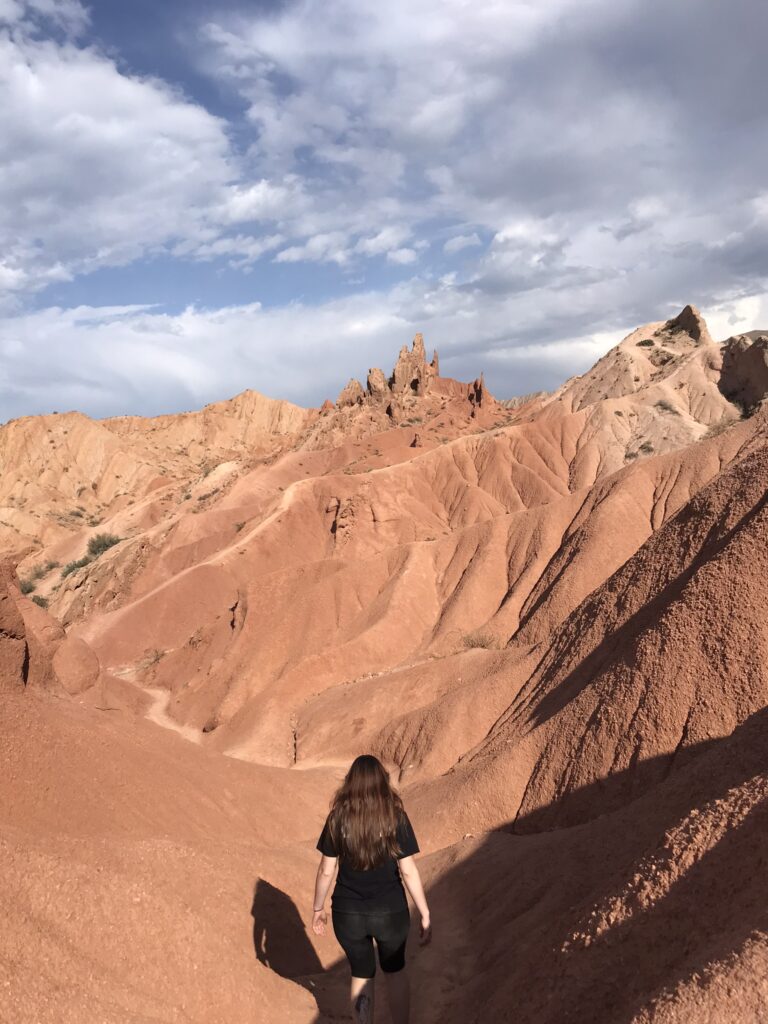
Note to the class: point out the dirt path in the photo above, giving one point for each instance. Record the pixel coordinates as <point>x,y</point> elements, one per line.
<point>157,712</point>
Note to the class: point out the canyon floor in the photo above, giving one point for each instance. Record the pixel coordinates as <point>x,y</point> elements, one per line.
<point>547,617</point>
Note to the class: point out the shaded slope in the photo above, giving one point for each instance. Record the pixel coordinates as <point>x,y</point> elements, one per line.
<point>667,653</point>
<point>653,912</point>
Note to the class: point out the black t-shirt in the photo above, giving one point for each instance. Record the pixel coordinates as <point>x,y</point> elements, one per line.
<point>379,888</point>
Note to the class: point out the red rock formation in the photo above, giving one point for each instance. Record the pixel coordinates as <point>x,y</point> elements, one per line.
<point>745,370</point>
<point>14,651</point>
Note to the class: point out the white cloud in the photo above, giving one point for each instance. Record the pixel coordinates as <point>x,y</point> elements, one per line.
<point>609,175</point>
<point>138,359</point>
<point>383,241</point>
<point>402,256</point>
<point>747,313</point>
<point>70,15</point>
<point>323,248</point>
<point>241,250</point>
<point>261,201</point>
<point>459,242</point>
<point>101,168</point>
<point>98,168</point>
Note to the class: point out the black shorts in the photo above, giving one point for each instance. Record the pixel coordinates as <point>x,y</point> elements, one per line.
<point>356,930</point>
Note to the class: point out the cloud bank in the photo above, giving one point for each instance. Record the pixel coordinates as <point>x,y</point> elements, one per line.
<point>523,182</point>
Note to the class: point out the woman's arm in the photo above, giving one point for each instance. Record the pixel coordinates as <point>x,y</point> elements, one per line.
<point>412,881</point>
<point>325,872</point>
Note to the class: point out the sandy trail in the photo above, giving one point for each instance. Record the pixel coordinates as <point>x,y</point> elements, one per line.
<point>157,712</point>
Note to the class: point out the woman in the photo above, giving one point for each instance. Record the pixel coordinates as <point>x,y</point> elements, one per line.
<point>368,833</point>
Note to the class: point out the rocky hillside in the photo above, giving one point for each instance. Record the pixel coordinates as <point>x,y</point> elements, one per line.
<point>545,615</point>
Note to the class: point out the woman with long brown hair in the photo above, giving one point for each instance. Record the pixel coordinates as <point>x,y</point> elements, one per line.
<point>369,836</point>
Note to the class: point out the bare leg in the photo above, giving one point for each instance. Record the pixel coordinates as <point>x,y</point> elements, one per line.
<point>362,1000</point>
<point>399,995</point>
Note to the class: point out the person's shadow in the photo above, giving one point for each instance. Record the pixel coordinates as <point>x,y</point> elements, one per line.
<point>281,943</point>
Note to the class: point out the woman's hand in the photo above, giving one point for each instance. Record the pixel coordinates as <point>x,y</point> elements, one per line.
<point>319,921</point>
<point>425,931</point>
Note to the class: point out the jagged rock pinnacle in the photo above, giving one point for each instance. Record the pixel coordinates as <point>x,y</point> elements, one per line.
<point>352,394</point>
<point>692,323</point>
<point>411,375</point>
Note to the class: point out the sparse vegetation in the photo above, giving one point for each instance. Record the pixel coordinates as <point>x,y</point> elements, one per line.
<point>71,567</point>
<point>238,527</point>
<point>98,544</point>
<point>26,586</point>
<point>41,601</point>
<point>478,639</point>
<point>42,569</point>
<point>646,447</point>
<point>666,406</point>
<point>208,494</point>
<point>719,428</point>
<point>646,343</point>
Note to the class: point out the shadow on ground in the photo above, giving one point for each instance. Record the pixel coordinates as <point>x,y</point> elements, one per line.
<point>281,942</point>
<point>595,922</point>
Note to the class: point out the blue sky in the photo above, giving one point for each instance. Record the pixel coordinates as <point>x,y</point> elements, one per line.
<point>197,198</point>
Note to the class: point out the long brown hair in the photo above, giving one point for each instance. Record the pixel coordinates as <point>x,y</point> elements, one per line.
<point>364,815</point>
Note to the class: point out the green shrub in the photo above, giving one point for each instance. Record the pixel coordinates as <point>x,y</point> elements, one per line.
<point>71,567</point>
<point>98,544</point>
<point>51,565</point>
<point>646,447</point>
<point>26,586</point>
<point>485,640</point>
<point>41,601</point>
<point>666,406</point>
<point>38,572</point>
<point>646,343</point>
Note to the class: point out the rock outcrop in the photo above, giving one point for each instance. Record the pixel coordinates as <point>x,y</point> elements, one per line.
<point>35,653</point>
<point>14,650</point>
<point>412,372</point>
<point>351,394</point>
<point>744,378</point>
<point>412,378</point>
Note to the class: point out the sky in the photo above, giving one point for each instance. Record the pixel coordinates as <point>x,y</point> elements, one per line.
<point>198,198</point>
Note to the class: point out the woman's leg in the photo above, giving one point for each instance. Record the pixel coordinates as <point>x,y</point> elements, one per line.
<point>352,932</point>
<point>399,996</point>
<point>362,1000</point>
<point>391,933</point>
